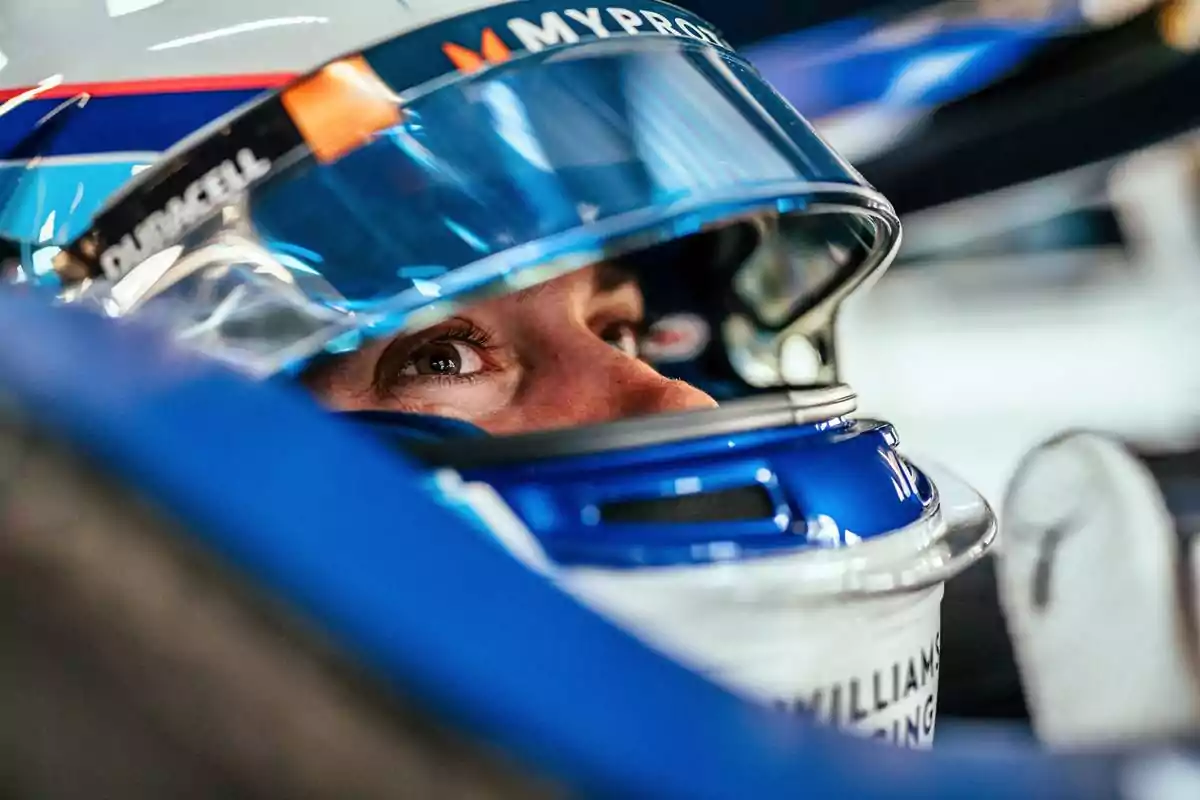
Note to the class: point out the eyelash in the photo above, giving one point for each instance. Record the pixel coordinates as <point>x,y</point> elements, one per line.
<point>388,374</point>
<point>462,331</point>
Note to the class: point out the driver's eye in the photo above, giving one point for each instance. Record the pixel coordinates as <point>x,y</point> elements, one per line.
<point>446,358</point>
<point>622,336</point>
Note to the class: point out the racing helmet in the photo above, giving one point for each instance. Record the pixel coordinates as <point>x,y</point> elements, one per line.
<point>488,234</point>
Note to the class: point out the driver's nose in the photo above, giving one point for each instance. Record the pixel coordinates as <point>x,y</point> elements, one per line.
<point>616,386</point>
<point>644,391</point>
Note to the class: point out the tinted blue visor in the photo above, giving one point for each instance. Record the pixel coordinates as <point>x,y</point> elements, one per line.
<point>484,184</point>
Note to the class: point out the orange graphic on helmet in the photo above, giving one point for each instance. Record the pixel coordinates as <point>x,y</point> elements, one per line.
<point>491,51</point>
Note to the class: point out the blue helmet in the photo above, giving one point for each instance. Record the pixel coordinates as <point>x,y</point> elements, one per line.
<point>500,235</point>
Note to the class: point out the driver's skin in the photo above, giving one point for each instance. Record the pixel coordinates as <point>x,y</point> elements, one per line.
<point>557,355</point>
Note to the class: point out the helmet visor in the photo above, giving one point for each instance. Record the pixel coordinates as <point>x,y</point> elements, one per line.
<point>345,206</point>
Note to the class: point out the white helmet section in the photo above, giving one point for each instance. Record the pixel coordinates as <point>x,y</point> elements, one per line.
<point>869,667</point>
<point>103,41</point>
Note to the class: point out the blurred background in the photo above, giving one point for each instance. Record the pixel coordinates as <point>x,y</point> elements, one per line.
<point>1045,158</point>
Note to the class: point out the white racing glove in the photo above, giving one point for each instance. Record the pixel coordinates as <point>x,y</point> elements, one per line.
<point>1096,566</point>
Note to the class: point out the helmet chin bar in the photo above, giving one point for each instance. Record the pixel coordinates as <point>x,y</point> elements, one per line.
<point>783,408</point>
<point>802,352</point>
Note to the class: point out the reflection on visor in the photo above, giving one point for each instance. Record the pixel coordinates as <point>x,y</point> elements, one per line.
<point>490,184</point>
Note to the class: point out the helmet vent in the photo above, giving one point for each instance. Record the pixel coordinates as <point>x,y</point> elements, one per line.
<point>725,505</point>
